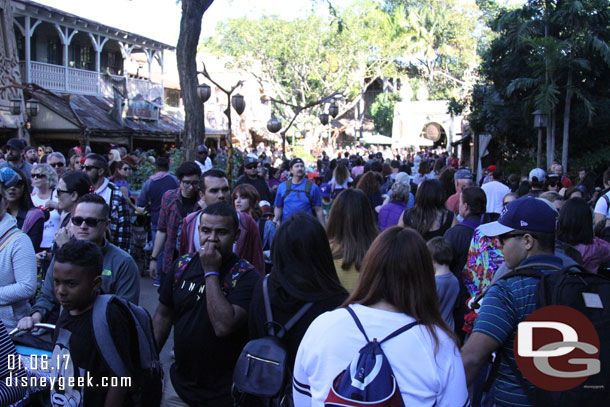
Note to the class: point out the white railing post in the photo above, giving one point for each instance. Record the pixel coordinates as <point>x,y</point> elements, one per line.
<point>28,50</point>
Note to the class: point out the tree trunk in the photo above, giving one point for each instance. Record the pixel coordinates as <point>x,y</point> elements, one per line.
<point>186,52</point>
<point>549,142</point>
<point>566,123</point>
<point>553,132</point>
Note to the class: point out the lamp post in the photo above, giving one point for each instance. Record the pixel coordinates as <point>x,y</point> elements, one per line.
<point>298,110</point>
<point>236,101</point>
<point>540,122</point>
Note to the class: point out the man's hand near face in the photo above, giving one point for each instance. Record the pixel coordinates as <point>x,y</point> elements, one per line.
<point>210,257</point>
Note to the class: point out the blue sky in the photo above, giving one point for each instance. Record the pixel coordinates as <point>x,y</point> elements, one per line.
<point>160,19</point>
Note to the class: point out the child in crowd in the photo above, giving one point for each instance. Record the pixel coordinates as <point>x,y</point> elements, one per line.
<point>77,279</point>
<point>327,202</point>
<point>447,285</point>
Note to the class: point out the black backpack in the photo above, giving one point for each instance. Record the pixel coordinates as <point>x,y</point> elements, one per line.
<point>148,381</point>
<point>262,375</point>
<point>566,287</point>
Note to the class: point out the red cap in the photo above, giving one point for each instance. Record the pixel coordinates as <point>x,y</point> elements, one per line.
<point>491,168</point>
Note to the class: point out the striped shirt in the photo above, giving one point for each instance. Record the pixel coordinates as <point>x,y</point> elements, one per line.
<point>507,303</point>
<point>10,392</point>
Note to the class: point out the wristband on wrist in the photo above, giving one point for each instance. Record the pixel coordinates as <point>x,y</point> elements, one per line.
<point>210,273</point>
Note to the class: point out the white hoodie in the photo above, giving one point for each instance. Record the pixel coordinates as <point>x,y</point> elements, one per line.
<point>17,275</point>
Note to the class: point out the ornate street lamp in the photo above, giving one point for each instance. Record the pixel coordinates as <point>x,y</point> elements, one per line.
<point>333,110</point>
<point>204,91</point>
<point>274,125</point>
<point>15,106</point>
<point>31,107</point>
<point>239,103</point>
<point>324,118</point>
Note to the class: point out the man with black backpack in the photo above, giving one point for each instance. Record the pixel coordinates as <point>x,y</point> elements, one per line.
<point>298,194</point>
<point>526,233</point>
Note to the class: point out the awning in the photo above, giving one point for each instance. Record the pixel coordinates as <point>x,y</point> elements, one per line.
<point>376,139</point>
<point>464,139</point>
<point>78,114</point>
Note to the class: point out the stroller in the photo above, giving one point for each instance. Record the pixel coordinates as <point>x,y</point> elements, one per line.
<point>141,240</point>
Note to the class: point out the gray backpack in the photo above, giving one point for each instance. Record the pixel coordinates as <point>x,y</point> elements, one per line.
<point>148,380</point>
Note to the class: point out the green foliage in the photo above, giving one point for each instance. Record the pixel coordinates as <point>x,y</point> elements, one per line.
<point>443,41</point>
<point>525,69</point>
<point>221,161</point>
<point>301,60</point>
<point>145,169</point>
<point>456,107</point>
<point>177,157</point>
<point>382,111</point>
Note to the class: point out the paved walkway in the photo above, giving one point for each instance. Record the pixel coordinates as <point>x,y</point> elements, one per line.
<point>149,299</point>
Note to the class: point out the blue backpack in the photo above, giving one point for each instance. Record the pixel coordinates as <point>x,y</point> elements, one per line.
<point>368,380</point>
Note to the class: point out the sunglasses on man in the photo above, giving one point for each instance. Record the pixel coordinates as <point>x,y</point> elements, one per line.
<point>91,222</point>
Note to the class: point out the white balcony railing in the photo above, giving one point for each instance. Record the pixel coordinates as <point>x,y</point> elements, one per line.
<point>81,81</point>
<point>48,76</point>
<point>53,77</point>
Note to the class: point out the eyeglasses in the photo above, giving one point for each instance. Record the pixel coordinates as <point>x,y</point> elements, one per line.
<point>251,166</point>
<point>91,222</point>
<point>503,238</point>
<point>38,176</point>
<point>201,152</point>
<point>57,164</point>
<point>62,191</point>
<point>193,184</point>
<point>90,167</point>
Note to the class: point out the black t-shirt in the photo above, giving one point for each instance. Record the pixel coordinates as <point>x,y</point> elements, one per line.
<point>76,354</point>
<point>283,307</point>
<point>258,183</point>
<point>189,203</point>
<point>203,370</point>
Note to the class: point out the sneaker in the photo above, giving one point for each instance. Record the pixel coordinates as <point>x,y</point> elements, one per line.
<point>156,283</point>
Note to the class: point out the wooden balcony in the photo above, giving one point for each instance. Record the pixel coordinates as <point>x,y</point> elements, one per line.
<point>56,78</point>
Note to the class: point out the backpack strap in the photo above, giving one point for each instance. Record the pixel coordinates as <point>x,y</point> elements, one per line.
<point>308,186</point>
<point>261,229</point>
<point>181,266</point>
<point>103,338</point>
<point>390,336</point>
<point>291,322</point>
<point>528,270</point>
<point>357,321</point>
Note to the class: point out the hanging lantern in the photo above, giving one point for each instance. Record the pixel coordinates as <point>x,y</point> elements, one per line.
<point>239,103</point>
<point>333,110</point>
<point>31,107</point>
<point>324,118</point>
<point>274,125</point>
<point>204,91</point>
<point>15,106</point>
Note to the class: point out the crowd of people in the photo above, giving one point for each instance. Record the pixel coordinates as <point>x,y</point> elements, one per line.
<point>336,252</point>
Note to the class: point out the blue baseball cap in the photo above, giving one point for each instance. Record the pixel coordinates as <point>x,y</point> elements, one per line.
<point>526,214</point>
<point>462,174</point>
<point>8,177</point>
<point>325,190</point>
